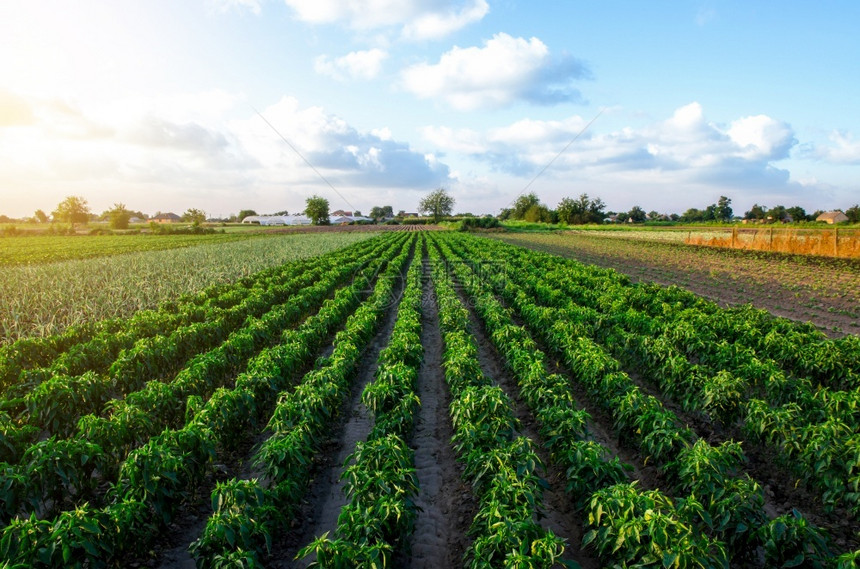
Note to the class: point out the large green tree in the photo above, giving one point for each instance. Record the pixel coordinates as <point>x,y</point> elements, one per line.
<point>756,212</point>
<point>72,210</point>
<point>245,213</point>
<point>316,208</point>
<point>636,214</point>
<point>581,210</point>
<point>723,210</point>
<point>523,204</point>
<point>195,216</point>
<point>381,212</point>
<point>118,216</point>
<point>797,213</point>
<point>438,203</point>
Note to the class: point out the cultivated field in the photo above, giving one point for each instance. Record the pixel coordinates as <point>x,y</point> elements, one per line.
<point>40,249</point>
<point>432,399</point>
<point>825,292</point>
<point>42,298</point>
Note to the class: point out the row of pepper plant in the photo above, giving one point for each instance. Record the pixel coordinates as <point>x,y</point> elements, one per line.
<point>723,504</point>
<point>501,465</point>
<point>248,512</point>
<point>380,478</point>
<point>814,427</point>
<point>54,405</point>
<point>629,526</point>
<point>156,479</point>
<point>93,347</point>
<point>59,473</point>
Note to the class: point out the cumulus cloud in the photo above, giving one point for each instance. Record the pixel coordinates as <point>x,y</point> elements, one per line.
<point>156,155</point>
<point>762,137</point>
<point>842,149</point>
<point>503,71</point>
<point>418,19</point>
<point>684,148</point>
<point>354,65</point>
<point>332,145</point>
<point>432,25</point>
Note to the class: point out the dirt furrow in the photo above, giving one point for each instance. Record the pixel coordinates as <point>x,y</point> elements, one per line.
<point>446,503</point>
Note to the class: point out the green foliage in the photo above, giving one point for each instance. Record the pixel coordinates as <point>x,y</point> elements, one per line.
<point>118,216</point>
<point>438,204</point>
<point>72,210</point>
<point>381,212</point>
<point>316,208</point>
<point>580,211</point>
<point>194,216</point>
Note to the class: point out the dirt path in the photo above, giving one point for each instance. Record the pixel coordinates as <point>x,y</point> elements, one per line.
<point>446,504</point>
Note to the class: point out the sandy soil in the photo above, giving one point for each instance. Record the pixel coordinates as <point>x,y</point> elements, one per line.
<point>446,504</point>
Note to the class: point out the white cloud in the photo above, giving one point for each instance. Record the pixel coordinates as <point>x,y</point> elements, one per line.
<point>226,5</point>
<point>843,149</point>
<point>684,148</point>
<point>419,19</point>
<point>150,159</point>
<point>504,70</point>
<point>354,65</point>
<point>432,25</point>
<point>762,137</point>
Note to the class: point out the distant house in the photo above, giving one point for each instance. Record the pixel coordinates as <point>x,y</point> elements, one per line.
<point>166,218</point>
<point>402,213</point>
<point>341,213</point>
<point>832,217</point>
<point>135,220</point>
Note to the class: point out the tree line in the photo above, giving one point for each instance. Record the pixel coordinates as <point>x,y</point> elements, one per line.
<point>582,210</point>
<point>439,204</point>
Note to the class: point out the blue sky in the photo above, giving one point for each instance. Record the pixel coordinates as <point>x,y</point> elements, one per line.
<point>154,104</point>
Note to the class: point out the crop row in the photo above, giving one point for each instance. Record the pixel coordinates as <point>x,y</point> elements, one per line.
<point>56,471</point>
<point>247,512</point>
<point>719,503</point>
<point>157,478</point>
<point>630,526</point>
<point>35,300</point>
<point>380,475</point>
<point>814,426</point>
<point>93,346</point>
<point>55,405</point>
<point>501,465</point>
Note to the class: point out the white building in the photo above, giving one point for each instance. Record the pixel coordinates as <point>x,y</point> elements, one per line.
<point>277,220</point>
<point>350,219</point>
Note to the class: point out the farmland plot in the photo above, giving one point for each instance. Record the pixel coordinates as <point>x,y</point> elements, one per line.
<point>825,292</point>
<point>42,299</point>
<point>433,400</point>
